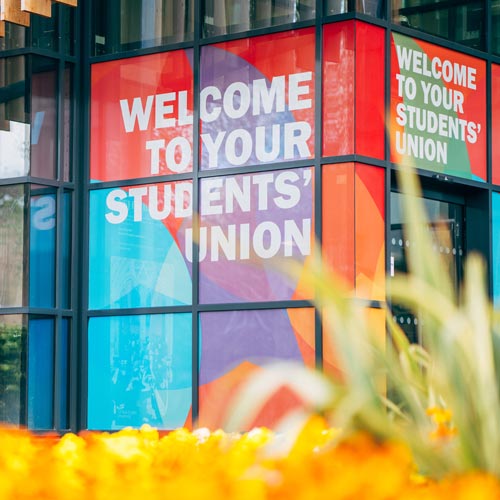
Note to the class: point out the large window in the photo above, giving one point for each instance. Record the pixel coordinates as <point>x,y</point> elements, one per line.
<point>370,7</point>
<point>37,223</point>
<point>461,21</point>
<point>231,16</point>
<point>121,25</point>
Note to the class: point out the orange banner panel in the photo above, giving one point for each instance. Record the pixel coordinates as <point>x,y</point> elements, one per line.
<point>2,28</point>
<point>370,242</point>
<point>338,219</point>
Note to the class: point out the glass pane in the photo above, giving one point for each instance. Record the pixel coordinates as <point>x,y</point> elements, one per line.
<point>42,247</point>
<point>339,88</point>
<point>142,124</point>
<point>139,370</point>
<point>496,248</point>
<point>67,38</point>
<point>12,361</point>
<point>495,123</point>
<point>438,109</point>
<point>12,204</point>
<point>66,250</point>
<point>353,227</point>
<point>232,16</point>
<point>462,22</point>
<point>370,7</point>
<point>257,100</point>
<point>121,25</point>
<point>250,226</point>
<point>237,344</point>
<point>40,373</point>
<point>63,372</point>
<point>44,31</point>
<point>138,246</point>
<point>67,134</point>
<point>43,117</point>
<point>14,38</point>
<point>14,122</point>
<point>446,223</point>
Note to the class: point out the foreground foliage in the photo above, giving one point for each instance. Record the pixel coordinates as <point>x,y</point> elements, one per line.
<point>256,465</point>
<point>396,391</point>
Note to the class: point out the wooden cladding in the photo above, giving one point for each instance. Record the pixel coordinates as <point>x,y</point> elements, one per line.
<point>10,10</point>
<point>72,3</point>
<point>40,7</point>
<point>18,11</point>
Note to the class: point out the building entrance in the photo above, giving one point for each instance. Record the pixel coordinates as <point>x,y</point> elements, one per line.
<point>446,222</point>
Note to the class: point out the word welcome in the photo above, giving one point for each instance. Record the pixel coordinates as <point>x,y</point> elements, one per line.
<point>235,145</point>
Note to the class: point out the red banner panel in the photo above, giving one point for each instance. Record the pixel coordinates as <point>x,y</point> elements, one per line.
<point>370,108</point>
<point>495,123</point>
<point>142,116</point>
<point>353,89</point>
<point>338,88</point>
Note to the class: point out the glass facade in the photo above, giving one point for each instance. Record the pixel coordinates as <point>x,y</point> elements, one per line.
<point>168,169</point>
<point>37,221</point>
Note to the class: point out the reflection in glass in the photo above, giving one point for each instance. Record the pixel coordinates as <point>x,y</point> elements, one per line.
<point>67,41</point>
<point>495,26</point>
<point>14,123</point>
<point>40,373</point>
<point>12,381</point>
<point>43,117</point>
<point>121,25</point>
<point>139,371</point>
<point>14,38</point>
<point>66,251</point>
<point>230,16</point>
<point>12,203</point>
<point>67,124</point>
<point>63,372</point>
<point>42,248</point>
<point>371,7</point>
<point>446,226</point>
<point>44,31</point>
<point>459,21</point>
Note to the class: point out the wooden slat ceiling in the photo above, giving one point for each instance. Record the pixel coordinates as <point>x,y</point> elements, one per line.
<point>18,11</point>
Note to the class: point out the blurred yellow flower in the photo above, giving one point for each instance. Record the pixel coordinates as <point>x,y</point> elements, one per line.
<point>135,464</point>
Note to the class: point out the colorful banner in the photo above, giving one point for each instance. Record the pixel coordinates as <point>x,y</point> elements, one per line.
<point>353,226</point>
<point>142,116</point>
<point>438,109</point>
<point>42,274</point>
<point>495,123</point>
<point>139,371</point>
<point>257,100</point>
<point>236,344</point>
<point>250,225</point>
<point>353,105</point>
<point>495,216</point>
<point>138,248</point>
